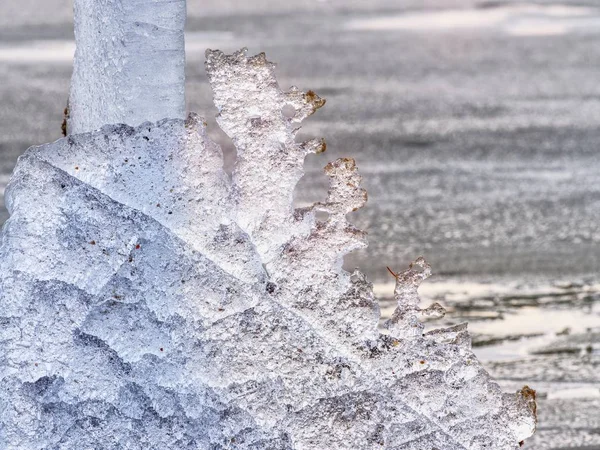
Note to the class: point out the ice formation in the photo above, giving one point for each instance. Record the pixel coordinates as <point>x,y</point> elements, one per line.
<point>150,301</point>
<point>129,63</point>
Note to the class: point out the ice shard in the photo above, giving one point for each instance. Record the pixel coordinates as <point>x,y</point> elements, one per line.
<point>150,301</point>
<point>129,63</point>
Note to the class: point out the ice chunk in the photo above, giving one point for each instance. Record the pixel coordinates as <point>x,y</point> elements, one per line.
<point>129,63</point>
<point>149,301</point>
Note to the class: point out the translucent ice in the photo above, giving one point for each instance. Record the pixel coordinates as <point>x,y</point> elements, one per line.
<point>149,301</point>
<point>129,63</point>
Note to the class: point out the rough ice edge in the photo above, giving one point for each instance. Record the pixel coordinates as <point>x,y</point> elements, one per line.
<point>352,368</point>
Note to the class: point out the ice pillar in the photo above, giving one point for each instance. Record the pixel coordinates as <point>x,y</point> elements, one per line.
<point>129,63</point>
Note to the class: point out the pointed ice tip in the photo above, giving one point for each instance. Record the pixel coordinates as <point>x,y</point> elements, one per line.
<point>434,311</point>
<point>314,146</point>
<point>523,413</point>
<point>212,55</point>
<point>240,55</point>
<point>421,265</point>
<point>314,100</point>
<point>529,396</point>
<point>322,147</point>
<point>418,271</point>
<point>340,165</point>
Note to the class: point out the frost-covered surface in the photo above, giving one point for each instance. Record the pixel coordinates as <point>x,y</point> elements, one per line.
<point>149,301</point>
<point>129,64</point>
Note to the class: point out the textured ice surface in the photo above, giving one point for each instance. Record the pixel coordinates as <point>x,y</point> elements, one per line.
<point>129,63</point>
<point>150,301</point>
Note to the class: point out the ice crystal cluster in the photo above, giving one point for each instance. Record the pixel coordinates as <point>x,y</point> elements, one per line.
<point>148,300</point>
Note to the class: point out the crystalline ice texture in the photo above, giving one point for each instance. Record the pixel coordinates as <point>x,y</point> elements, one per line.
<point>150,301</point>
<point>129,63</point>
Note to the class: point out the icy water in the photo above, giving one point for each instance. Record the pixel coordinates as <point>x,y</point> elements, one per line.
<point>476,127</point>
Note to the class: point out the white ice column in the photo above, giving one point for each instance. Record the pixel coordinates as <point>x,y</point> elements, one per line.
<point>129,63</point>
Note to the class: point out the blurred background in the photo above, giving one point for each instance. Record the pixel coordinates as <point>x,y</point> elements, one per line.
<point>475,125</point>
